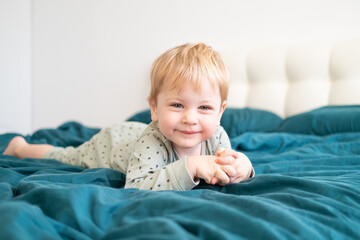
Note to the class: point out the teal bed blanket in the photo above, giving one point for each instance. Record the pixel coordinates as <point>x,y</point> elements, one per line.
<point>307,186</point>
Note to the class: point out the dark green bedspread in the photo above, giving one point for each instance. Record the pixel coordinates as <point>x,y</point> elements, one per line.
<point>306,187</point>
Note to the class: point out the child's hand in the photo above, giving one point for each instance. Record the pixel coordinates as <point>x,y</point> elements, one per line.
<point>239,161</point>
<point>205,167</point>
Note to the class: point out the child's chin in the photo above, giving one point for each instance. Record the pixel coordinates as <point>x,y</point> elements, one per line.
<point>188,144</point>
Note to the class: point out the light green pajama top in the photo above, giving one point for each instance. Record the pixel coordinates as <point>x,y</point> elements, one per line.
<point>141,152</point>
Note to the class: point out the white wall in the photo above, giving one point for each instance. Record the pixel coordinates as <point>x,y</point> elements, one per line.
<point>91,59</point>
<point>15,66</point>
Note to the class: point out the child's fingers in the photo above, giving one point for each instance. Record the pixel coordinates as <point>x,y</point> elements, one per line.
<point>229,170</point>
<point>234,153</point>
<point>227,160</point>
<point>243,173</point>
<point>222,176</point>
<point>222,152</point>
<point>214,181</point>
<point>219,151</point>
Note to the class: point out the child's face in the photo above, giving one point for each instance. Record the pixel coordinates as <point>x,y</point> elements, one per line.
<point>188,117</point>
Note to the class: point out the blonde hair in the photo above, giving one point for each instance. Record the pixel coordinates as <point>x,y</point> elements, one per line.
<point>189,63</point>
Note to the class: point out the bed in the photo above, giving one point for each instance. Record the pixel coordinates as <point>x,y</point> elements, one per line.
<point>298,120</point>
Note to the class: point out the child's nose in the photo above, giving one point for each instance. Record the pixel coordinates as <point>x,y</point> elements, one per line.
<point>190,117</point>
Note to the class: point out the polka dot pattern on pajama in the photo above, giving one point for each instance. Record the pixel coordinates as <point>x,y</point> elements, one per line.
<point>141,152</point>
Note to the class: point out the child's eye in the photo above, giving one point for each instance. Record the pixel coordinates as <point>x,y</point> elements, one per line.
<point>177,105</point>
<point>204,107</point>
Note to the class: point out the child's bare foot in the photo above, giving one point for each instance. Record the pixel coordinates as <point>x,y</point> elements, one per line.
<point>14,146</point>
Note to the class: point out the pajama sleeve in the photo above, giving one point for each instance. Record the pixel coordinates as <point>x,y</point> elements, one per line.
<point>151,166</point>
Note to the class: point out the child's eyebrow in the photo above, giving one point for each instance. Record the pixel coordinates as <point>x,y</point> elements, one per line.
<point>174,98</point>
<point>208,100</point>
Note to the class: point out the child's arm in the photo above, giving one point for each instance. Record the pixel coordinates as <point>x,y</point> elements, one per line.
<point>153,165</point>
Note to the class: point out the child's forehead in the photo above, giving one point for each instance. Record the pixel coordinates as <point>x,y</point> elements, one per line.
<point>197,87</point>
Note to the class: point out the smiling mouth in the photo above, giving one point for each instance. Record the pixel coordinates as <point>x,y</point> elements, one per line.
<point>188,132</point>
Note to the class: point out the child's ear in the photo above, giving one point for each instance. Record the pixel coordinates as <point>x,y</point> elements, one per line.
<point>222,109</point>
<point>152,106</point>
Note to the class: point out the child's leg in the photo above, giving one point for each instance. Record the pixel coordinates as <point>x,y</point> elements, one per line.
<point>18,147</point>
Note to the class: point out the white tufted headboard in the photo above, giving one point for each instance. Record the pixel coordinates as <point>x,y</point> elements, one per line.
<point>291,79</point>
